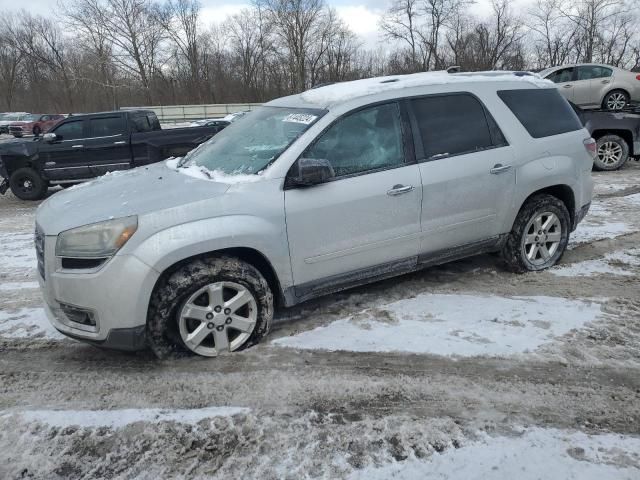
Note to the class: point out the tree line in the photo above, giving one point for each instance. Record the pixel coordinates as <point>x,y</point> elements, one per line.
<point>103,54</point>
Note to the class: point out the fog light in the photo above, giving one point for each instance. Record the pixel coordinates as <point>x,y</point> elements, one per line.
<point>78,315</point>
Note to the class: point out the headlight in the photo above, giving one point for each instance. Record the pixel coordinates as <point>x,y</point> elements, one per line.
<point>96,240</point>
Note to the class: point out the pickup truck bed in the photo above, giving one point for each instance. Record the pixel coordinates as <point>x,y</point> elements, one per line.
<point>617,134</point>
<point>86,146</point>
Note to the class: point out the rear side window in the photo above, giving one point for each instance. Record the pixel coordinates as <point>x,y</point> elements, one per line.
<point>543,112</point>
<point>452,125</point>
<point>106,127</point>
<point>140,123</point>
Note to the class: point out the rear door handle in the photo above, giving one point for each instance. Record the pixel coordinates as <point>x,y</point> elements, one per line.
<point>606,81</point>
<point>498,168</point>
<point>77,146</point>
<point>399,190</point>
<point>568,86</point>
<point>121,142</point>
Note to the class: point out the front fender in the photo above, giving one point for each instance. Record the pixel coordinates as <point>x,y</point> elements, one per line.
<point>167,247</point>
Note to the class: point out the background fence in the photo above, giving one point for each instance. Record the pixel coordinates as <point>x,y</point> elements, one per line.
<point>189,113</point>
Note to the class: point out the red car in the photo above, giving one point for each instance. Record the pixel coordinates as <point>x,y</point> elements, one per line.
<point>34,123</point>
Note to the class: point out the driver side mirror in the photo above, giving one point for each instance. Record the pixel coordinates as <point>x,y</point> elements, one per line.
<point>49,137</point>
<point>309,171</point>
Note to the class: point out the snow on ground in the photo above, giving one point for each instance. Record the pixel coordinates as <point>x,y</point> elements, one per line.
<point>615,263</point>
<point>536,454</point>
<point>634,199</point>
<point>599,224</point>
<point>27,323</point>
<point>12,286</point>
<point>602,188</point>
<point>17,250</point>
<point>122,417</point>
<point>452,325</point>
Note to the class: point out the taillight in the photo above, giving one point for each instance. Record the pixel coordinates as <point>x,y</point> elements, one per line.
<point>591,146</point>
<point>637,77</point>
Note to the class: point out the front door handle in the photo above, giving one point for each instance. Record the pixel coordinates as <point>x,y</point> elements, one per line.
<point>77,146</point>
<point>399,190</point>
<point>568,86</point>
<point>121,142</point>
<point>606,81</point>
<point>498,168</point>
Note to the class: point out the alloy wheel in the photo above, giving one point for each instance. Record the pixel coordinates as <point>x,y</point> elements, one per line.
<point>616,101</point>
<point>610,153</point>
<point>542,238</point>
<point>218,317</point>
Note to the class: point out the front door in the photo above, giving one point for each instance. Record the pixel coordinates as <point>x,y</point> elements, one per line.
<point>366,220</point>
<point>564,79</point>
<point>468,176</point>
<point>64,158</point>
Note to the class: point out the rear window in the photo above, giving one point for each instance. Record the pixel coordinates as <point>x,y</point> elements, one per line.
<point>543,112</point>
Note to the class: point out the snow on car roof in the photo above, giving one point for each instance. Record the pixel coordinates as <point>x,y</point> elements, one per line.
<point>339,92</point>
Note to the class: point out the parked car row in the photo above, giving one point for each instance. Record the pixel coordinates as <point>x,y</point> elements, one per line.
<point>592,85</point>
<point>20,124</point>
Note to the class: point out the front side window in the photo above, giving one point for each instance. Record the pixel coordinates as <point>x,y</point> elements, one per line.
<point>106,127</point>
<point>451,125</point>
<point>249,146</point>
<point>561,76</point>
<point>368,139</point>
<point>71,130</point>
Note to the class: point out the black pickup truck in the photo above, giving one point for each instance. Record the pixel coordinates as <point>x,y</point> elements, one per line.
<point>82,147</point>
<point>617,134</point>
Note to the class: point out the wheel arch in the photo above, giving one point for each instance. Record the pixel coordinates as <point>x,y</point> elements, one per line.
<point>562,192</point>
<point>626,135</point>
<point>617,89</point>
<point>249,255</point>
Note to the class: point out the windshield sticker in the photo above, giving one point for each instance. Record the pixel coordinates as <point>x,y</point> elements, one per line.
<point>304,118</point>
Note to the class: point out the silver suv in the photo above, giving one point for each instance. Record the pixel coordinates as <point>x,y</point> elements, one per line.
<point>310,194</point>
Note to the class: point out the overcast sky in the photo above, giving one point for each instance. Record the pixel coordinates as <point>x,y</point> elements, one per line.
<point>362,16</point>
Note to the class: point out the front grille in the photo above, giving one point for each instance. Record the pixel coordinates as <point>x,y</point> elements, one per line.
<point>39,243</point>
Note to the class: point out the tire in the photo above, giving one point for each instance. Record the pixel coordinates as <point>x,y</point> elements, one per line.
<point>169,326</point>
<point>17,135</point>
<point>518,255</point>
<point>613,153</point>
<point>27,184</point>
<point>615,100</point>
<point>37,131</point>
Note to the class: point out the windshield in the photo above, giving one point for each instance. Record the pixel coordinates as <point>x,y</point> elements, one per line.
<point>251,143</point>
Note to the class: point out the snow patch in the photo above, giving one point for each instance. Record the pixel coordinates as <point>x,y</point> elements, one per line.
<point>537,454</point>
<point>633,199</point>
<point>612,264</point>
<point>11,286</point>
<point>123,417</point>
<point>204,173</point>
<point>27,323</point>
<point>452,325</point>
<point>343,91</point>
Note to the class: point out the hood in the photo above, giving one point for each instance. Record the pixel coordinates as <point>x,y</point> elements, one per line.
<point>123,193</point>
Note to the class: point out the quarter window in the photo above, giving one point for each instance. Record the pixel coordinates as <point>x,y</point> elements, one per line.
<point>106,127</point>
<point>369,139</point>
<point>451,125</point>
<point>70,130</point>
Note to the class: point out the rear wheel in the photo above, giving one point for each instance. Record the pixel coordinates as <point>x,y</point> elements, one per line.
<point>539,235</point>
<point>615,100</point>
<point>613,153</point>
<point>27,184</point>
<point>208,307</point>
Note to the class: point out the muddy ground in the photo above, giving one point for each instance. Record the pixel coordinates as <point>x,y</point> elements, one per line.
<point>312,412</point>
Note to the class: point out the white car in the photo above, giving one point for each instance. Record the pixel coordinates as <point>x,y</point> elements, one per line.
<point>592,85</point>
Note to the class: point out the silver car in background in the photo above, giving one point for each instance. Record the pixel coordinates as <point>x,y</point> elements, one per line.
<point>592,85</point>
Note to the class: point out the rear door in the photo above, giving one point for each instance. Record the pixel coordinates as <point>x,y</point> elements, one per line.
<point>64,158</point>
<point>466,168</point>
<point>564,79</point>
<point>594,81</point>
<point>107,147</point>
<point>366,220</point>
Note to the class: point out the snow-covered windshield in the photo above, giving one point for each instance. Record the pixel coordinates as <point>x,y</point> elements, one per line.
<point>251,143</point>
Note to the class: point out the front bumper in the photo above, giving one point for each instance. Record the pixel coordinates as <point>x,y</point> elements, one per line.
<point>115,297</point>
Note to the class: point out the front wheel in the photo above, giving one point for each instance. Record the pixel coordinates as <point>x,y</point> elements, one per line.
<point>27,184</point>
<point>539,236</point>
<point>208,307</point>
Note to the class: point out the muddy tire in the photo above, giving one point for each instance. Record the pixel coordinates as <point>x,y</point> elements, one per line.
<point>612,153</point>
<point>539,235</point>
<point>27,184</point>
<point>191,309</point>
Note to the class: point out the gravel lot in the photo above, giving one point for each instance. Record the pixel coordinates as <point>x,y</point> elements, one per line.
<point>421,376</point>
